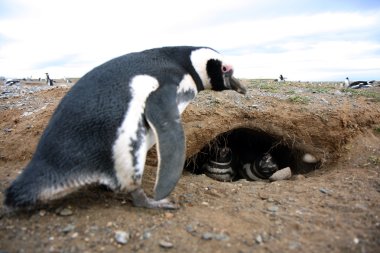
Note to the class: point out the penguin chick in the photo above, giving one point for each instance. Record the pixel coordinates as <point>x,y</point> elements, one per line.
<point>104,126</point>
<point>262,168</point>
<point>219,166</point>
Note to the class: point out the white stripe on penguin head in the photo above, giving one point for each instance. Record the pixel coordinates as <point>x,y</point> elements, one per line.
<point>199,59</point>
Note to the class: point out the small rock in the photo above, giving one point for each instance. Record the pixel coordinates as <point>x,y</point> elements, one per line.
<point>42,213</point>
<point>299,177</point>
<point>309,158</point>
<point>221,237</point>
<point>146,235</point>
<point>165,244</point>
<point>8,130</point>
<point>282,174</point>
<point>325,191</point>
<point>273,209</point>
<point>121,237</point>
<point>356,240</point>
<point>65,212</point>
<point>259,239</point>
<point>190,229</point>
<point>207,236</point>
<point>169,215</point>
<point>294,245</point>
<point>68,228</point>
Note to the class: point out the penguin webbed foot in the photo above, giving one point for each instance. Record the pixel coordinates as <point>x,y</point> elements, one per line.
<point>139,199</point>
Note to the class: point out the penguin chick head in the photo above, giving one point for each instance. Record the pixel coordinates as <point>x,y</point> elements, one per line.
<point>215,73</point>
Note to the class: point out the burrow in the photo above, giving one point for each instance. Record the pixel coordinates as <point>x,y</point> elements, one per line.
<point>248,145</point>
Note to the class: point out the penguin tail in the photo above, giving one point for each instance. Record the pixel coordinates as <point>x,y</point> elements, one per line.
<point>24,192</point>
<point>20,196</point>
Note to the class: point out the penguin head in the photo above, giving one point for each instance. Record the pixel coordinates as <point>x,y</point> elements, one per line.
<point>214,72</point>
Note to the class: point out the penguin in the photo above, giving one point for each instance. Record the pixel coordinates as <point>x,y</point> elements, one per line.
<point>262,168</point>
<point>347,82</point>
<point>103,127</point>
<point>219,165</point>
<point>360,84</point>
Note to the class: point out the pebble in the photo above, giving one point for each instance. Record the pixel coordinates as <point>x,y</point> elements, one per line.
<point>294,245</point>
<point>207,236</point>
<point>42,213</point>
<point>146,235</point>
<point>273,208</point>
<point>169,215</point>
<point>68,228</point>
<point>259,239</point>
<point>309,158</point>
<point>282,174</point>
<point>221,237</point>
<point>65,212</point>
<point>121,237</point>
<point>325,191</point>
<point>190,229</point>
<point>299,177</point>
<point>217,236</point>
<point>165,244</point>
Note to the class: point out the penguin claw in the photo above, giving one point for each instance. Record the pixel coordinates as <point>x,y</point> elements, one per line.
<point>140,199</point>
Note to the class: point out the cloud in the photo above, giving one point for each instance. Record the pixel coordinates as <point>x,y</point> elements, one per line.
<point>263,38</point>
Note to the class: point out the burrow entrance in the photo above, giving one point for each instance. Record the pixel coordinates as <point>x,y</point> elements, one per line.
<point>242,146</point>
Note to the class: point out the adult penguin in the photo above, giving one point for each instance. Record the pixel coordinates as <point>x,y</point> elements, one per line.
<point>104,126</point>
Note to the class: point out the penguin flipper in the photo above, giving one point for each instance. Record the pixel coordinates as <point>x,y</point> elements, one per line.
<point>163,116</point>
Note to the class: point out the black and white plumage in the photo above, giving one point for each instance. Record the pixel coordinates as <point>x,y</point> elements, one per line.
<point>219,166</point>
<point>10,82</point>
<point>262,168</point>
<point>347,82</point>
<point>360,84</point>
<point>103,127</point>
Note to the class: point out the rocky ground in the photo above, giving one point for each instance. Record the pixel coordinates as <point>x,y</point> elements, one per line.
<point>332,207</point>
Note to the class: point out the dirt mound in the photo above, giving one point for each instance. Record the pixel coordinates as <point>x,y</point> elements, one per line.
<point>334,208</point>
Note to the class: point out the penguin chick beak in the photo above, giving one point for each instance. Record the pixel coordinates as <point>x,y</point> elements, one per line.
<point>233,83</point>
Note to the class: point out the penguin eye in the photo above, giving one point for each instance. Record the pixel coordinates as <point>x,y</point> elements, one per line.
<point>226,68</point>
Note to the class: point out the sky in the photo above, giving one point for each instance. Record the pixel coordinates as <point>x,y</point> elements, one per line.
<point>307,40</point>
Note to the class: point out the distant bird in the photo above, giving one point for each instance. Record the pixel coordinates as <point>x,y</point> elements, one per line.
<point>10,82</point>
<point>281,78</point>
<point>360,84</point>
<point>49,81</point>
<point>347,82</point>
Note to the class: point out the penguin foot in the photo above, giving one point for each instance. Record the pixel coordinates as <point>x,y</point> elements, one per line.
<point>140,199</point>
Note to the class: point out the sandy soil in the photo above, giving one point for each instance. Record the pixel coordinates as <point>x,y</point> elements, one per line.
<point>333,206</point>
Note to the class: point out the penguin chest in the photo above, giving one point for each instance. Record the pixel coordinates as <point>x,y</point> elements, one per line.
<point>186,92</point>
<point>133,138</point>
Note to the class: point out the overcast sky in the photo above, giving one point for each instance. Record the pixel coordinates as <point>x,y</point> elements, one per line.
<point>301,39</point>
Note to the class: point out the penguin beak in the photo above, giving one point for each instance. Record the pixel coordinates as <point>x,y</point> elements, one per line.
<point>233,83</point>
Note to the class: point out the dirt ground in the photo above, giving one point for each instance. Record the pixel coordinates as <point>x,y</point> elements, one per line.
<point>332,207</point>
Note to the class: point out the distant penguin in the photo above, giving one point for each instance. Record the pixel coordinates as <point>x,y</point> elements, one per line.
<point>219,166</point>
<point>262,168</point>
<point>346,82</point>
<point>360,84</point>
<point>102,129</point>
<point>49,81</point>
